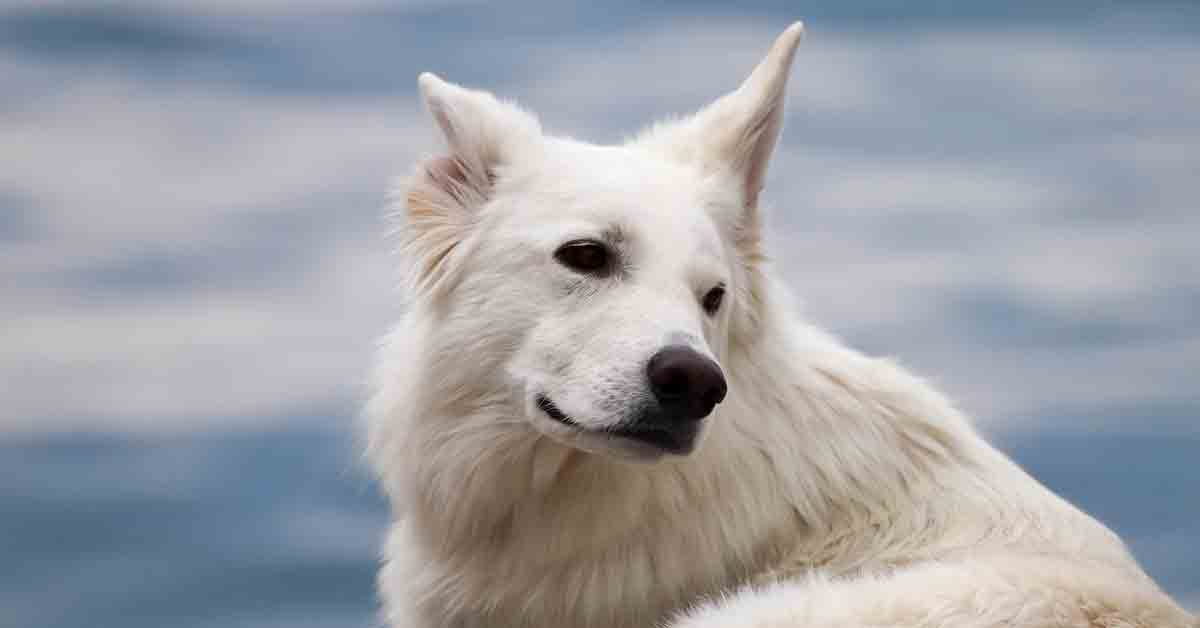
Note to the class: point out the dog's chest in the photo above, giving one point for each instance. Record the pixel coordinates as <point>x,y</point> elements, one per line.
<point>629,585</point>
<point>635,578</point>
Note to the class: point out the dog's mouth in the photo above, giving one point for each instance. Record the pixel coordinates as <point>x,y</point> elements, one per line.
<point>545,405</point>
<point>679,439</point>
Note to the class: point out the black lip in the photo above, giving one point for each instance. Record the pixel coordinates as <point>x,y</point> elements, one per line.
<point>677,439</point>
<point>552,411</point>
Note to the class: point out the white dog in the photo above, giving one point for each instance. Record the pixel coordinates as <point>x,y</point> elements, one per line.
<point>600,411</point>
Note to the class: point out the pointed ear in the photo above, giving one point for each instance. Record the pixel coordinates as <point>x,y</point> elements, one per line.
<point>441,200</point>
<point>737,133</point>
<point>734,137</point>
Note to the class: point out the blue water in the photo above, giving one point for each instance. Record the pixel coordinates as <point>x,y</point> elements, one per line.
<point>249,529</point>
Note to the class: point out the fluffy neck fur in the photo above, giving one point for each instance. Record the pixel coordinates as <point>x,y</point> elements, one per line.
<point>863,465</point>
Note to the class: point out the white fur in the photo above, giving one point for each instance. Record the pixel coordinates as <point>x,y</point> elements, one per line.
<point>831,489</point>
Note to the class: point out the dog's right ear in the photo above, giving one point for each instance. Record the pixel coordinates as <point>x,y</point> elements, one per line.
<point>441,200</point>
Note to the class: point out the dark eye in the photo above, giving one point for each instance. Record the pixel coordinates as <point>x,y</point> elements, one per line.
<point>583,256</point>
<point>712,300</point>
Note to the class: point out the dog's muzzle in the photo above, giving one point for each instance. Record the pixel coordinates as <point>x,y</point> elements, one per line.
<point>686,384</point>
<point>686,387</point>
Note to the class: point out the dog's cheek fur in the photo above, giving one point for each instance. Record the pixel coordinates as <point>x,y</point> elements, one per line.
<point>752,290</point>
<point>742,237</point>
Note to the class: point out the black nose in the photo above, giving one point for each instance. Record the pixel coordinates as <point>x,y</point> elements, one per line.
<point>686,384</point>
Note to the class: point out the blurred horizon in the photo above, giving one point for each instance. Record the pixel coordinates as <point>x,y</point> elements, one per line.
<point>194,273</point>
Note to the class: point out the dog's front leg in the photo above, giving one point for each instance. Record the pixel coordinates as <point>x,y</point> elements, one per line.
<point>993,592</point>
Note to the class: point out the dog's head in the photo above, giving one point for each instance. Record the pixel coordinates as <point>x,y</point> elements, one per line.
<point>601,285</point>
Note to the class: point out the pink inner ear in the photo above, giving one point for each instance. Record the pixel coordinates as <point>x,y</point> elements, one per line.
<point>451,176</point>
<point>446,169</point>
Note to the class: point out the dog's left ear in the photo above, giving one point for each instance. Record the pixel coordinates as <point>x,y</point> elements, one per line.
<point>734,137</point>
<point>739,130</point>
<point>737,133</point>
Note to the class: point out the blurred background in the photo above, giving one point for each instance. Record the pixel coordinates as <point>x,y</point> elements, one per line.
<point>193,272</point>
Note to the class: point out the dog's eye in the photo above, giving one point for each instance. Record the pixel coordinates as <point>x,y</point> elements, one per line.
<point>712,300</point>
<point>584,256</point>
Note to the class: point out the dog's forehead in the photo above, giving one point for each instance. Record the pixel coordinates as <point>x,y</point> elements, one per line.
<point>619,169</point>
<point>622,184</point>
